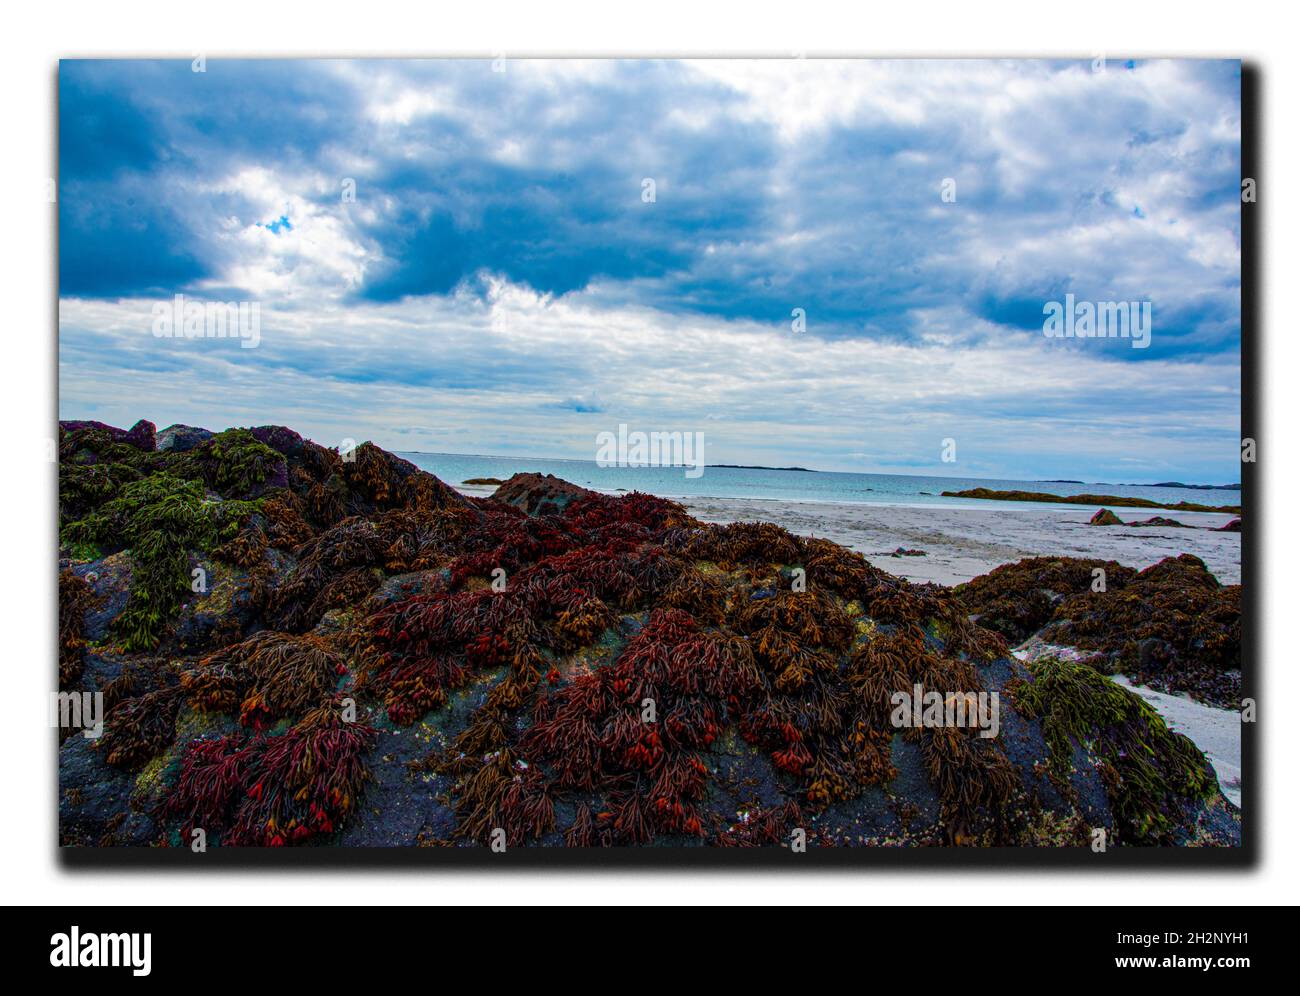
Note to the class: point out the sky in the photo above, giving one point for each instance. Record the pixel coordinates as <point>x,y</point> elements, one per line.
<point>840,264</point>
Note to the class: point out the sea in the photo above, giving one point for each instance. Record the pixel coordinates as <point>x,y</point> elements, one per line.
<point>791,485</point>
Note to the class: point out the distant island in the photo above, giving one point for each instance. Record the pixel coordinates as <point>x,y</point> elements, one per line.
<point>748,466</point>
<point>1159,484</point>
<point>1191,487</point>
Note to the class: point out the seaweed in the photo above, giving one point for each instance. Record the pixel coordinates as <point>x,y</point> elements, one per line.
<point>159,518</point>
<point>1041,496</point>
<point>234,463</point>
<point>765,828</point>
<point>136,729</point>
<point>286,524</point>
<point>1149,771</point>
<point>76,598</point>
<point>1171,626</point>
<point>271,675</point>
<point>1017,600</point>
<point>273,790</point>
<point>596,670</point>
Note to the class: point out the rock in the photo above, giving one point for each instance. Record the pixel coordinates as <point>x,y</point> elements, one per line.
<point>401,586</point>
<point>141,435</point>
<point>348,628</point>
<point>1174,628</point>
<point>179,438</point>
<point>110,579</point>
<point>1230,527</point>
<point>95,800</point>
<point>1159,520</point>
<point>538,495</point>
<point>1116,500</point>
<point>1105,517</point>
<point>279,437</point>
<point>484,480</point>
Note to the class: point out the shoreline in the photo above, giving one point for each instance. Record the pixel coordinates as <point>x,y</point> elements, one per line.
<point>963,542</point>
<point>954,504</point>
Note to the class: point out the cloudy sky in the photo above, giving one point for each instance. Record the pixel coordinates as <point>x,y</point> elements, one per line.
<point>502,283</point>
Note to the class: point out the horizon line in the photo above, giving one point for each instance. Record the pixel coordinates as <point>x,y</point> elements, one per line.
<point>811,470</point>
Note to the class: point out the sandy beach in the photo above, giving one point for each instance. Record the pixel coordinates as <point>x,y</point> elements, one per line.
<point>962,543</point>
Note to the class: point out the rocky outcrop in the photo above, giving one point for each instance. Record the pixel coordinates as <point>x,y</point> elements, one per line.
<point>301,646</point>
<point>537,494</point>
<point>141,435</point>
<point>1172,626</point>
<point>179,438</point>
<point>1105,517</point>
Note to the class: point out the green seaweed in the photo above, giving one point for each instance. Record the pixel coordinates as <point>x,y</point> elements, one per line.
<point>233,463</point>
<point>159,519</point>
<point>1147,769</point>
<point>83,487</point>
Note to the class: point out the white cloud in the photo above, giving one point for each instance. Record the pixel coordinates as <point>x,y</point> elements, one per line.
<point>315,254</point>
<point>494,371</point>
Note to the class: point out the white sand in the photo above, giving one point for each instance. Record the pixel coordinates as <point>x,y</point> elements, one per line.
<point>962,543</point>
